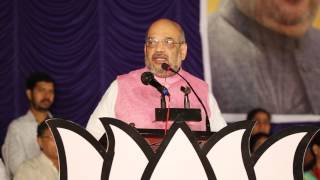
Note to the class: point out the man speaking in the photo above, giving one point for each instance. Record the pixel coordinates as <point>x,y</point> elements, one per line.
<point>129,100</point>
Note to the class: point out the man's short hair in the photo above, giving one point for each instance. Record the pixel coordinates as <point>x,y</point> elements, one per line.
<point>36,77</point>
<point>251,114</point>
<point>42,127</point>
<point>174,23</point>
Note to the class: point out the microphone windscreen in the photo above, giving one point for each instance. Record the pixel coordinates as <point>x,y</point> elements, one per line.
<point>185,90</point>
<point>165,66</point>
<point>146,78</point>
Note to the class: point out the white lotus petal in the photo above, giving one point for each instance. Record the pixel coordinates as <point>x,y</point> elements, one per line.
<point>179,161</point>
<point>277,161</point>
<point>83,160</point>
<point>129,160</point>
<point>226,159</point>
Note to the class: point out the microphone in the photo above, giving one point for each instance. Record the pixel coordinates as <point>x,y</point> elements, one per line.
<point>147,78</point>
<point>167,67</point>
<point>186,91</point>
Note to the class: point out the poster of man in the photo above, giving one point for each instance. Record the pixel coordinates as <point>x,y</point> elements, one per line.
<point>265,54</point>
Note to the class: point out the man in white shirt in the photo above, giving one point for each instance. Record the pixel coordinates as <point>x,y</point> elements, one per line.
<point>3,172</point>
<point>20,142</point>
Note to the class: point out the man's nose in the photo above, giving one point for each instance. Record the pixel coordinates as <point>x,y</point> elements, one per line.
<point>48,94</point>
<point>160,46</point>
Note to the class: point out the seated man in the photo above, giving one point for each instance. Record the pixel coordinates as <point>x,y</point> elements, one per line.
<point>20,142</point>
<point>128,99</point>
<point>46,165</point>
<point>3,172</point>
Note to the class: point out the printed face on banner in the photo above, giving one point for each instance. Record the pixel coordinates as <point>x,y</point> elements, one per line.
<point>164,44</point>
<point>290,17</point>
<point>265,54</point>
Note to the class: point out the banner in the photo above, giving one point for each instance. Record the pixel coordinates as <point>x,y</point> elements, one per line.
<point>263,54</point>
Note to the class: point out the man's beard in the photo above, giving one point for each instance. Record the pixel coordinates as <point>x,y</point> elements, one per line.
<point>40,107</point>
<point>157,70</point>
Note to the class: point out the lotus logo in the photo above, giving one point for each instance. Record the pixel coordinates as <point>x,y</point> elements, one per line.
<point>224,156</point>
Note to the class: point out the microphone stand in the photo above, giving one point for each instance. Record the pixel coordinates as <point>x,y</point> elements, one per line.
<point>205,110</point>
<point>186,101</point>
<point>163,102</point>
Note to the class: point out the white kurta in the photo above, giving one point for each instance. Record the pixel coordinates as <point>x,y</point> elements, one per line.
<point>38,168</point>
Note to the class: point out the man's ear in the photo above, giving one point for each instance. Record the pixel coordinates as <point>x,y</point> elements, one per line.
<point>145,50</point>
<point>28,93</point>
<point>183,51</point>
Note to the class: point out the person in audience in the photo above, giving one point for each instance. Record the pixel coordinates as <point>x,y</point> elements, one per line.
<point>129,100</point>
<point>314,172</point>
<point>308,160</point>
<point>20,142</point>
<point>263,120</point>
<point>257,140</point>
<point>45,166</point>
<point>3,171</point>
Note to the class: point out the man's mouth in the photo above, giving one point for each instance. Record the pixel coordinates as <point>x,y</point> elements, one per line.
<point>159,59</point>
<point>45,102</point>
<point>293,1</point>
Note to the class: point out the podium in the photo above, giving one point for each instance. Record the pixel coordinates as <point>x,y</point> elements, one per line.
<point>155,136</point>
<point>178,114</point>
<point>129,157</point>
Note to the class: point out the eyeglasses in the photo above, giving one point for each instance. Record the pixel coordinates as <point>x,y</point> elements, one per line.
<point>167,42</point>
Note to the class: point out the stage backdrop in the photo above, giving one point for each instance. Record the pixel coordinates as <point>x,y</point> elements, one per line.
<point>83,45</point>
